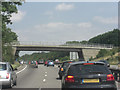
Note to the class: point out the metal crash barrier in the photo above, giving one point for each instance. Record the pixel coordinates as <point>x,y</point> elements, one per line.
<point>116,72</point>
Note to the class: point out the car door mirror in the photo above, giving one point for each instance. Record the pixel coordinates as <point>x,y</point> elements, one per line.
<point>15,69</point>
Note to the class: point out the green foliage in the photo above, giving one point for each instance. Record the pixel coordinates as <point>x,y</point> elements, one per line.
<point>8,36</point>
<point>72,42</point>
<point>7,54</point>
<point>77,42</point>
<point>65,58</point>
<point>84,42</point>
<point>102,53</point>
<point>91,58</point>
<point>7,9</point>
<point>46,56</point>
<point>111,37</point>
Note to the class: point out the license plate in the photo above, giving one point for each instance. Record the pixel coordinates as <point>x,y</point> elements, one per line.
<point>90,81</point>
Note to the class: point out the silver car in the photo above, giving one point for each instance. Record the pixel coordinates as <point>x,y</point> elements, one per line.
<point>8,76</point>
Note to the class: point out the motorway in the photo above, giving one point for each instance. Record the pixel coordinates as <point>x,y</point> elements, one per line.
<point>41,77</point>
<point>38,78</point>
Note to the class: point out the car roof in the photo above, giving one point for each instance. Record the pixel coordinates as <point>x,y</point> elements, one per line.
<point>68,61</point>
<point>82,62</point>
<point>4,62</point>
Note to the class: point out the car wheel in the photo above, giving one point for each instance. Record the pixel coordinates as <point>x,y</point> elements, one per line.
<point>11,84</point>
<point>60,77</point>
<point>15,83</point>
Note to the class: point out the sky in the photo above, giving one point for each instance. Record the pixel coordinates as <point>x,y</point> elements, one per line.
<point>64,21</point>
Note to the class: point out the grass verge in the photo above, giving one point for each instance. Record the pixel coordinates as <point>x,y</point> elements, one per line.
<point>15,65</point>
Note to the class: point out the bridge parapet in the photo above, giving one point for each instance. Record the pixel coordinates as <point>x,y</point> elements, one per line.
<point>62,44</point>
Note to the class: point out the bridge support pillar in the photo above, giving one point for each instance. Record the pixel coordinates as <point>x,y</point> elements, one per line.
<point>80,55</point>
<point>74,56</point>
<point>13,50</point>
<point>15,53</point>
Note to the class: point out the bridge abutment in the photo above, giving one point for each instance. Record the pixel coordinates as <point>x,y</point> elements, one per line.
<point>88,53</point>
<point>84,54</point>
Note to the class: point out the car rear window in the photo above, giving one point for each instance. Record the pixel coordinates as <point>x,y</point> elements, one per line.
<point>3,67</point>
<point>88,69</point>
<point>65,65</point>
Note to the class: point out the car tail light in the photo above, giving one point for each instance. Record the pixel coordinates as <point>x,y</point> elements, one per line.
<point>110,77</point>
<point>62,69</point>
<point>36,62</point>
<point>88,63</point>
<point>70,79</point>
<point>7,76</point>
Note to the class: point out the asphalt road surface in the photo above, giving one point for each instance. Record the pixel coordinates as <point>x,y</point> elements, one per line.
<point>39,78</point>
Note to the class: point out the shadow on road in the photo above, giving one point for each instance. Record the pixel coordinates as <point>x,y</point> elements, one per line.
<point>58,78</point>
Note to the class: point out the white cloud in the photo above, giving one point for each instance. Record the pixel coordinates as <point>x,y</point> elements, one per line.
<point>64,7</point>
<point>60,27</point>
<point>18,17</point>
<point>108,20</point>
<point>85,25</point>
<point>60,31</point>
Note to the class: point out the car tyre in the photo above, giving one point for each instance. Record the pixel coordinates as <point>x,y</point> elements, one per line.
<point>15,83</point>
<point>60,77</point>
<point>11,84</point>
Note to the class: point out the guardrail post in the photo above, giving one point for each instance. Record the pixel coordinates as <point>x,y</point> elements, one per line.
<point>118,77</point>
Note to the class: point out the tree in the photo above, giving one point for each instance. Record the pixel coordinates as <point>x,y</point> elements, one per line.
<point>7,35</point>
<point>84,42</point>
<point>102,53</point>
<point>111,37</point>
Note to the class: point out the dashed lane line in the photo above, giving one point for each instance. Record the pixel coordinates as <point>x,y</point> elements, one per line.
<point>44,80</point>
<point>45,75</point>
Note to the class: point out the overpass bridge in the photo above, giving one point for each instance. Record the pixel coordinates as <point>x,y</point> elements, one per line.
<point>84,51</point>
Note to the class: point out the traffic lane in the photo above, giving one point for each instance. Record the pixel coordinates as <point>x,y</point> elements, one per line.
<point>29,78</point>
<point>48,78</point>
<point>118,85</point>
<point>26,79</point>
<point>51,79</point>
<point>40,77</point>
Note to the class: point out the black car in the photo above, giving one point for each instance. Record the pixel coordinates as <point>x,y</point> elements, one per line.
<point>84,75</point>
<point>105,61</point>
<point>63,68</point>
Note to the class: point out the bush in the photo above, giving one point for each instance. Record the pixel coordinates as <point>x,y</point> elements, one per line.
<point>102,53</point>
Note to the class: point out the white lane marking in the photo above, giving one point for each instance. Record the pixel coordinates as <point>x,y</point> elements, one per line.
<point>45,72</point>
<point>117,84</point>
<point>21,70</point>
<point>44,80</point>
<point>45,75</point>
